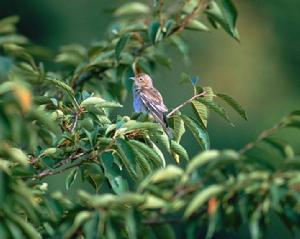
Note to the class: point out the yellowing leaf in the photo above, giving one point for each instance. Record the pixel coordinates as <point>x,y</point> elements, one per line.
<point>24,97</point>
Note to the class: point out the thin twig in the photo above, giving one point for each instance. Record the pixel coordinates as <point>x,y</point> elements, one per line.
<point>69,159</point>
<point>185,103</point>
<point>199,8</point>
<point>48,172</point>
<point>159,13</point>
<point>261,136</point>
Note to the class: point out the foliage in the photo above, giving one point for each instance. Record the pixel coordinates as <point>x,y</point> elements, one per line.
<point>55,117</point>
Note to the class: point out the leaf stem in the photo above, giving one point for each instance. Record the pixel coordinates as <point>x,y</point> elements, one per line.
<point>185,103</point>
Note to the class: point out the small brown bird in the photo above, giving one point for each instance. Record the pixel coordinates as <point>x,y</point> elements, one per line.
<point>147,99</point>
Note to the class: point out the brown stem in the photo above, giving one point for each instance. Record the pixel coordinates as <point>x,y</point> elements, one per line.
<point>261,136</point>
<point>199,8</point>
<point>185,103</point>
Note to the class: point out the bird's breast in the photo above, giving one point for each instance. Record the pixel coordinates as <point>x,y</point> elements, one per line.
<point>138,104</point>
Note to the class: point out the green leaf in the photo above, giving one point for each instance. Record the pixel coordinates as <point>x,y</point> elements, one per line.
<point>202,159</point>
<point>127,156</point>
<point>71,178</point>
<point>179,150</point>
<point>171,172</point>
<point>197,26</point>
<point>217,109</point>
<point>121,45</point>
<point>132,8</point>
<point>198,131</point>
<point>201,198</point>
<point>25,226</point>
<point>18,156</point>
<point>150,154</point>
<point>179,129</point>
<point>94,174</point>
<point>13,39</point>
<point>134,125</point>
<point>164,231</point>
<point>80,219</point>
<point>292,120</point>
<point>142,161</point>
<point>234,104</point>
<point>224,13</point>
<point>8,24</point>
<point>154,32</point>
<point>91,228</point>
<point>254,224</point>
<point>113,173</point>
<point>284,148</point>
<point>98,101</point>
<point>201,110</point>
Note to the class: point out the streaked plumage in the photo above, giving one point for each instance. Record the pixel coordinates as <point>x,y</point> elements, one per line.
<point>147,99</point>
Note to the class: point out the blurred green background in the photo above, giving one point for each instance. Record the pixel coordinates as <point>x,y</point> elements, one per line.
<point>262,72</point>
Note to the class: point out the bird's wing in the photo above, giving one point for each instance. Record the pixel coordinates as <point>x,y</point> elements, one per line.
<point>153,96</point>
<point>154,103</point>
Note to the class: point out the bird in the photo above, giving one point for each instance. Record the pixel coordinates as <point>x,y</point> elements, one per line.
<point>147,99</point>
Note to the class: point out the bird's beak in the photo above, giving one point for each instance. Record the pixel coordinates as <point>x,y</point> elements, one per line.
<point>132,78</point>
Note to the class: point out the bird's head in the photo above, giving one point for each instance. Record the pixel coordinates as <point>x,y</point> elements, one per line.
<point>142,80</point>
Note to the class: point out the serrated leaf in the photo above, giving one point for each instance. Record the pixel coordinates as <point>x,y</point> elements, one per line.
<point>179,150</point>
<point>98,101</point>
<point>224,13</point>
<point>217,109</point>
<point>171,172</point>
<point>121,45</point>
<point>154,32</point>
<point>127,156</point>
<point>201,159</point>
<point>71,178</point>
<point>113,173</point>
<point>201,198</point>
<point>201,111</point>
<point>153,202</point>
<point>198,131</point>
<point>94,174</point>
<point>147,151</point>
<point>133,125</point>
<point>234,104</point>
<point>179,129</point>
<point>142,161</point>
<point>132,8</point>
<point>197,26</point>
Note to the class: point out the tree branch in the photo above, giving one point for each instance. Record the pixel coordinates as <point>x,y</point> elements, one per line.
<point>261,136</point>
<point>185,103</point>
<point>199,8</point>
